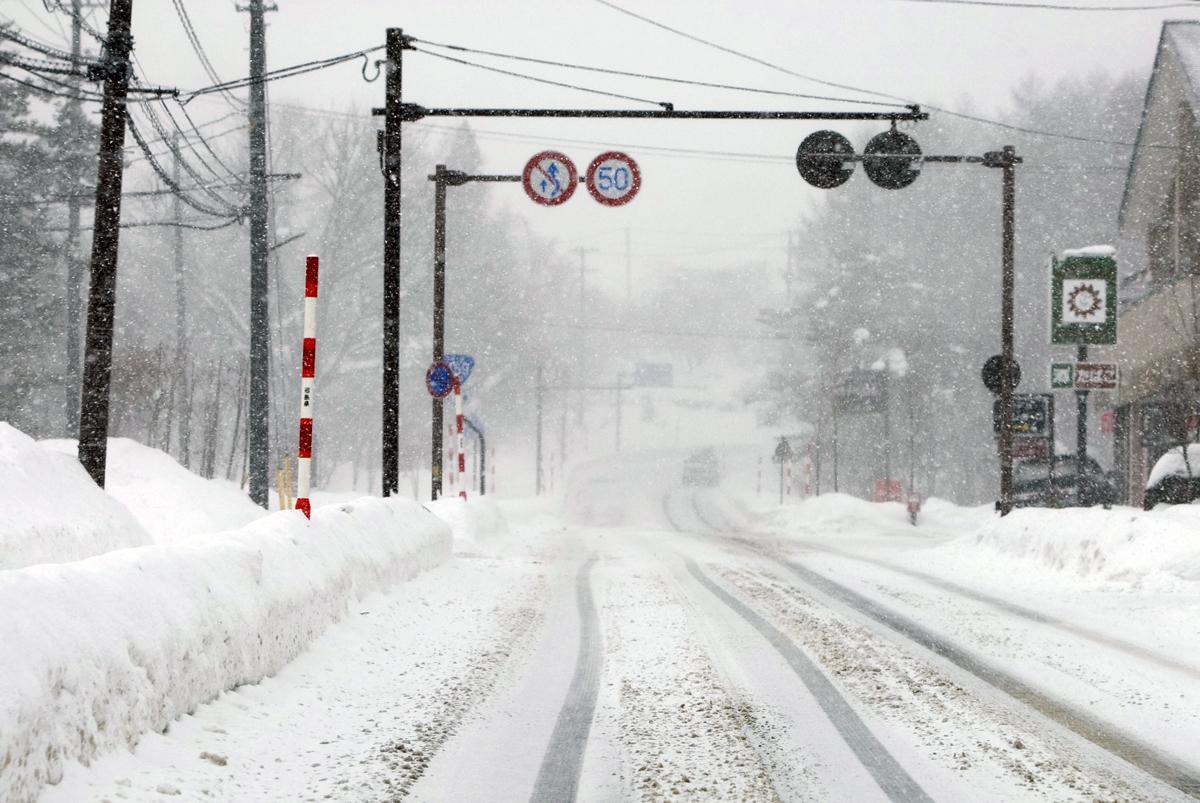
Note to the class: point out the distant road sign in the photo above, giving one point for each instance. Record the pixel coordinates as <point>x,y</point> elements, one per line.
<point>993,370</point>
<point>1096,376</point>
<point>861,391</point>
<point>783,451</point>
<point>613,178</point>
<point>821,159</point>
<point>439,380</point>
<point>1062,375</point>
<point>654,374</point>
<point>461,365</point>
<point>1033,415</point>
<point>549,178</point>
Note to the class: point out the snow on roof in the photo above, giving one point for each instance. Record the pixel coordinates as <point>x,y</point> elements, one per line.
<point>1090,251</point>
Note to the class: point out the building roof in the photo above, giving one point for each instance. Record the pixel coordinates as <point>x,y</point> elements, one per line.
<point>1174,83</point>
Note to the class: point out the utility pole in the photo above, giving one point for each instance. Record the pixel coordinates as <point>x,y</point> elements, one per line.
<point>390,163</point>
<point>181,348</point>
<point>258,429</point>
<point>102,294</point>
<point>1006,160</point>
<point>439,320</point>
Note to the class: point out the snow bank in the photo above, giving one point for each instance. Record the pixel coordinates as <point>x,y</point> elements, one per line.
<point>1156,551</point>
<point>475,521</point>
<point>52,511</point>
<point>95,653</point>
<point>169,501</point>
<point>1173,463</point>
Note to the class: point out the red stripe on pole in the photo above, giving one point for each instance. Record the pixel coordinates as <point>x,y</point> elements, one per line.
<point>306,425</point>
<point>304,506</point>
<point>308,358</point>
<point>310,277</point>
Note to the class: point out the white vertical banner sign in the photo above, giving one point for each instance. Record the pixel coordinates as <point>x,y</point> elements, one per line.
<point>462,455</point>
<point>308,373</point>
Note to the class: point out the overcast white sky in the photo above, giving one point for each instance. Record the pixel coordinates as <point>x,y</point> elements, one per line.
<point>691,207</point>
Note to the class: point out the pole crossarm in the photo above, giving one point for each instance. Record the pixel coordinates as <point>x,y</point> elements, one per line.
<point>412,112</point>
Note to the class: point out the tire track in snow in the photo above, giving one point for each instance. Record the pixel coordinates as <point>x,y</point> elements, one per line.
<point>558,777</point>
<point>893,779</point>
<point>1170,771</point>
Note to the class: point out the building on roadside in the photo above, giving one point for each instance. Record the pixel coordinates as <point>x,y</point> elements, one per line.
<point>1159,332</point>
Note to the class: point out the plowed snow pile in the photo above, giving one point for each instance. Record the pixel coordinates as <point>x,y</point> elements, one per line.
<point>96,652</point>
<point>1156,550</point>
<point>169,501</point>
<point>52,511</point>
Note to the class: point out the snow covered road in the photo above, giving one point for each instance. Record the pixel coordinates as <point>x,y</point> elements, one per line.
<point>689,660</point>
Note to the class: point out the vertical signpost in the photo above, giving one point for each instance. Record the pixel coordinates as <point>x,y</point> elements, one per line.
<point>308,374</point>
<point>1083,312</point>
<point>461,366</point>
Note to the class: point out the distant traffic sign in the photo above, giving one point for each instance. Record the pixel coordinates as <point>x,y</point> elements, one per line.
<point>892,160</point>
<point>549,178</point>
<point>460,365</point>
<point>1083,298</point>
<point>439,380</point>
<point>1033,415</point>
<point>613,178</point>
<point>783,452</point>
<point>993,370</point>
<point>825,159</point>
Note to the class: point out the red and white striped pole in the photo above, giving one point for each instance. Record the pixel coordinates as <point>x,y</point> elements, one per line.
<point>308,373</point>
<point>458,425</point>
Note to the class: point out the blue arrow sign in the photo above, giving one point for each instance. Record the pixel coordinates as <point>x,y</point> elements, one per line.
<point>439,379</point>
<point>461,365</point>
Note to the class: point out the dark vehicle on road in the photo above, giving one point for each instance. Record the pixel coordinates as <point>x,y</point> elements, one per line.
<point>702,469</point>
<point>1035,485</point>
<point>1175,479</point>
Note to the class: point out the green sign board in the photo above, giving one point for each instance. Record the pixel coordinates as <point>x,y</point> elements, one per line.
<point>1083,298</point>
<point>1062,375</point>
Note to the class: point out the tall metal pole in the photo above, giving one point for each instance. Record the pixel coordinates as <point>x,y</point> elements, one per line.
<point>538,438</point>
<point>97,370</point>
<point>391,264</point>
<point>1081,415</point>
<point>439,319</point>
<point>74,265</point>
<point>1007,163</point>
<point>259,407</point>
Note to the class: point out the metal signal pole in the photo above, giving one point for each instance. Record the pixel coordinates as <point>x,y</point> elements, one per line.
<point>1006,160</point>
<point>439,319</point>
<point>258,428</point>
<point>97,370</point>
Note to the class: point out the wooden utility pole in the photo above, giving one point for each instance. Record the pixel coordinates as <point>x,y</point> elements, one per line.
<point>182,362</point>
<point>102,294</point>
<point>258,411</point>
<point>390,162</point>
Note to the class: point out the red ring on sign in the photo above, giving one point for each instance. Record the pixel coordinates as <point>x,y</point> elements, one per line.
<point>527,178</point>
<point>635,184</point>
<point>429,380</point>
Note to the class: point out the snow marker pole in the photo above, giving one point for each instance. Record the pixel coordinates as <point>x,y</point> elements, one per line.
<point>308,372</point>
<point>458,427</point>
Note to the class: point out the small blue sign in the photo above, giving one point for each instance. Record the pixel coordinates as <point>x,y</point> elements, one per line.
<point>461,365</point>
<point>439,379</point>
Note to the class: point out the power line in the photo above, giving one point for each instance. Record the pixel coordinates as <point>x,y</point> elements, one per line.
<point>73,95</point>
<point>190,31</point>
<point>282,72</point>
<point>650,76</point>
<point>548,81</point>
<point>138,224</point>
<point>1055,6</point>
<point>184,164</point>
<point>167,180</point>
<point>786,71</point>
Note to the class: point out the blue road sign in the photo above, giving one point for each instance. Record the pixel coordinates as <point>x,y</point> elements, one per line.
<point>439,379</point>
<point>461,365</point>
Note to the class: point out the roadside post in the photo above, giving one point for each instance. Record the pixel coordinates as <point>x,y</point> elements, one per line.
<point>1083,312</point>
<point>308,373</point>
<point>481,455</point>
<point>439,381</point>
<point>782,456</point>
<point>461,366</point>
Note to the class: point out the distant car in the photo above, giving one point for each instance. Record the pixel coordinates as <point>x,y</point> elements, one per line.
<point>1175,478</point>
<point>702,469</point>
<point>1033,485</point>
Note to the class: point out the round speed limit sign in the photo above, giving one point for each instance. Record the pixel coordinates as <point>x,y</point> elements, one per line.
<point>613,178</point>
<point>549,178</point>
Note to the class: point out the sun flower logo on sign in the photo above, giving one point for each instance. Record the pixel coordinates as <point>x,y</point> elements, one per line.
<point>1084,301</point>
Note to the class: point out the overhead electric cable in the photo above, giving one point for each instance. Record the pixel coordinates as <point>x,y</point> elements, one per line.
<point>652,77</point>
<point>72,95</point>
<point>193,38</point>
<point>184,164</point>
<point>167,180</point>
<point>282,72</point>
<point>548,81</point>
<point>785,70</point>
